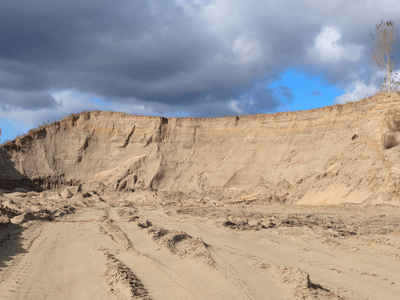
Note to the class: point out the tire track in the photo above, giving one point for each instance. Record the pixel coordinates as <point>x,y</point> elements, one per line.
<point>110,228</point>
<point>20,283</point>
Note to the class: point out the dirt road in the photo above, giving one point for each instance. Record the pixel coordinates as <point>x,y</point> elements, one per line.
<point>204,253</point>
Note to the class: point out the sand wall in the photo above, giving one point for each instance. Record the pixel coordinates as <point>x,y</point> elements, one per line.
<point>329,155</point>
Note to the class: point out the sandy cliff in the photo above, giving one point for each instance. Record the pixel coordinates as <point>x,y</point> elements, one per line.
<point>329,155</point>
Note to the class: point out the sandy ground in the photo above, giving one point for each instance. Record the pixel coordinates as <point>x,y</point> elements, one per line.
<point>126,250</point>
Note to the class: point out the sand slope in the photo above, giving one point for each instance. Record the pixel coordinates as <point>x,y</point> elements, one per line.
<point>329,155</point>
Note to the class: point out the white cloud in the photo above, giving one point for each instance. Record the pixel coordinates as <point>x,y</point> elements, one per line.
<point>326,47</point>
<point>233,105</point>
<point>357,91</point>
<point>71,102</point>
<point>136,109</point>
<point>68,102</point>
<point>247,50</point>
<point>189,6</point>
<point>218,12</point>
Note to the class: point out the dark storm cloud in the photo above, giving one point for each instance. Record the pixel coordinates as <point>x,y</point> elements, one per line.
<point>19,76</point>
<point>115,49</point>
<point>26,100</point>
<point>44,31</point>
<point>196,56</point>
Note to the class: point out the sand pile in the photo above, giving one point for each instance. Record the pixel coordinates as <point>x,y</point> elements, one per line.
<point>298,282</point>
<point>122,281</point>
<point>178,242</point>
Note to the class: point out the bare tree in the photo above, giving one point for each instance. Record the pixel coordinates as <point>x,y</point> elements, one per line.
<point>386,35</point>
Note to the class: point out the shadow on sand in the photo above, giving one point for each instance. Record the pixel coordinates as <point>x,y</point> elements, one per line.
<point>10,242</point>
<point>11,178</point>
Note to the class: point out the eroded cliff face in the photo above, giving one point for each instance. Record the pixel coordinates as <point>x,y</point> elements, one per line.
<point>329,155</point>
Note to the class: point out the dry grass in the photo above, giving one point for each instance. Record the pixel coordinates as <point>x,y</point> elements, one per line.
<point>40,131</point>
<point>392,120</point>
<point>390,124</point>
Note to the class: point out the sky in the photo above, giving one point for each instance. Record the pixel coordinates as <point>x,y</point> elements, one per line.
<point>184,58</point>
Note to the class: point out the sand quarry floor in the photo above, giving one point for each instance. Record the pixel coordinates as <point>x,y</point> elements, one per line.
<point>125,250</point>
